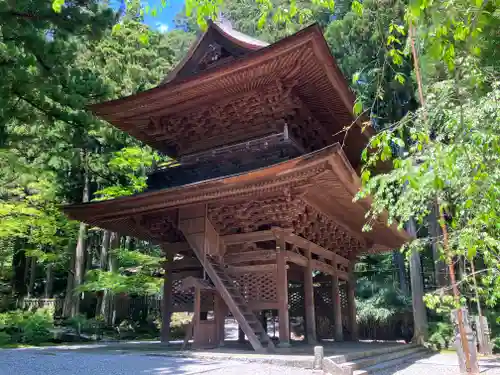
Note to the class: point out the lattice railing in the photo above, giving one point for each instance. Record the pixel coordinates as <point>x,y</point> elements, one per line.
<point>183,300</point>
<point>257,286</point>
<point>56,304</point>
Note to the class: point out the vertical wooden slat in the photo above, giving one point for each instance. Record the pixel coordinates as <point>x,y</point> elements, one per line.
<point>282,287</point>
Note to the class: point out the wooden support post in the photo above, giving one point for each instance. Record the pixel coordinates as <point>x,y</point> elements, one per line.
<point>337,309</point>
<point>241,335</point>
<point>220,318</point>
<point>282,289</point>
<point>351,305</point>
<point>197,313</point>
<point>167,299</point>
<point>310,318</point>
<point>263,320</point>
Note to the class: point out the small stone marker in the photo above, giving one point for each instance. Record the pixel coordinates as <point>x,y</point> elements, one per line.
<point>318,357</point>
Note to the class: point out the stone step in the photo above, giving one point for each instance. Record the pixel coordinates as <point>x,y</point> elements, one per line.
<point>364,362</point>
<point>391,364</point>
<point>351,357</point>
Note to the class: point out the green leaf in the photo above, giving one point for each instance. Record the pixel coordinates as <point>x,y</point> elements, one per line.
<point>358,108</point>
<point>116,28</point>
<point>355,77</point>
<point>400,78</point>
<point>357,7</point>
<point>144,38</point>
<point>57,5</point>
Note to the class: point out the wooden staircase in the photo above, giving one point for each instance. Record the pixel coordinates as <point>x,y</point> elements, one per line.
<point>204,241</point>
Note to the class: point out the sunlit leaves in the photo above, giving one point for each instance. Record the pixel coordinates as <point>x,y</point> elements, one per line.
<point>358,108</point>
<point>57,5</point>
<point>399,77</point>
<point>357,7</point>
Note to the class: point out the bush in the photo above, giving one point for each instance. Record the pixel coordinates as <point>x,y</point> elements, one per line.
<point>37,327</point>
<point>5,338</point>
<point>178,324</point>
<point>27,327</point>
<point>441,335</point>
<point>78,322</point>
<point>496,344</point>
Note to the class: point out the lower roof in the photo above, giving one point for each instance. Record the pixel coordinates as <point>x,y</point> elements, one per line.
<point>323,180</point>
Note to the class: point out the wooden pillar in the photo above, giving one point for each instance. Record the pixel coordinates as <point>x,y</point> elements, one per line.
<point>282,289</point>
<point>337,309</point>
<point>220,318</point>
<point>241,335</point>
<point>197,313</point>
<point>167,299</point>
<point>310,318</point>
<point>351,304</point>
<point>263,320</point>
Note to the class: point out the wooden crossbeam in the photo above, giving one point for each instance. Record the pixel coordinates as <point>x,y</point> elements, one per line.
<point>255,268</point>
<point>250,256</point>
<point>234,239</point>
<point>296,258</point>
<point>186,263</point>
<point>328,269</point>
<point>176,247</point>
<point>316,249</point>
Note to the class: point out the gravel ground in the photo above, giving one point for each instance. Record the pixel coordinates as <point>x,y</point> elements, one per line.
<point>441,364</point>
<point>52,362</point>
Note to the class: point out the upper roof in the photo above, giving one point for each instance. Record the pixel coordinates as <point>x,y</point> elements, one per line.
<point>231,88</point>
<point>217,41</point>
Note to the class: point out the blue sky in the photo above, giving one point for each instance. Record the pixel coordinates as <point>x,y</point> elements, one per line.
<point>163,21</point>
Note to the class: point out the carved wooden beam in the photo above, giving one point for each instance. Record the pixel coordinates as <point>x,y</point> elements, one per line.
<point>250,256</point>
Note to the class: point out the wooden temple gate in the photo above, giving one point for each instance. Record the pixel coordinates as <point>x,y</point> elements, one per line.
<point>258,214</point>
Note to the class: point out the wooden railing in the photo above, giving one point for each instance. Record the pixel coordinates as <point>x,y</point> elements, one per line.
<point>38,303</point>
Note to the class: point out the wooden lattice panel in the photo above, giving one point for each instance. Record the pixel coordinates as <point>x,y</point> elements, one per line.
<point>323,295</point>
<point>296,300</point>
<point>183,300</point>
<point>257,286</point>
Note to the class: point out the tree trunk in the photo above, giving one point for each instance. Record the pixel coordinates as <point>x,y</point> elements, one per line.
<point>103,263</point>
<point>19,266</point>
<point>68,296</point>
<point>49,281</point>
<point>440,268</point>
<point>80,252</point>
<point>399,262</point>
<point>108,303</point>
<point>32,276</point>
<point>417,291</point>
